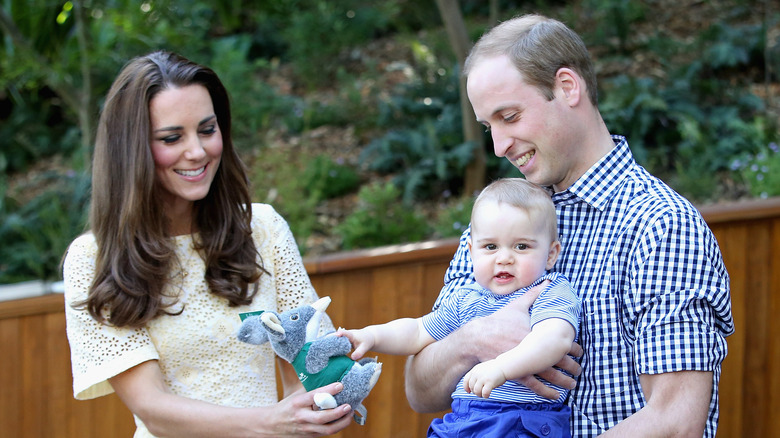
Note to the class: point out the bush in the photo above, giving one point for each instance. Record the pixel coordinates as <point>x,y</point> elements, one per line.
<point>690,124</point>
<point>35,235</point>
<point>320,31</point>
<point>761,171</point>
<point>454,218</point>
<point>326,179</point>
<point>381,219</point>
<point>424,147</point>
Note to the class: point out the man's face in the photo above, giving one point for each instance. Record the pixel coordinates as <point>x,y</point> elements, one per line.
<point>534,134</point>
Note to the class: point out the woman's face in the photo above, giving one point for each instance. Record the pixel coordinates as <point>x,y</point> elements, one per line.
<point>186,145</point>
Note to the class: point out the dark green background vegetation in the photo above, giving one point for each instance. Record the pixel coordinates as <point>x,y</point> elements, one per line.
<point>692,84</point>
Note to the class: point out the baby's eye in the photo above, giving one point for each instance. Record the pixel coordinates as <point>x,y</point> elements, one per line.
<point>521,246</point>
<point>491,247</point>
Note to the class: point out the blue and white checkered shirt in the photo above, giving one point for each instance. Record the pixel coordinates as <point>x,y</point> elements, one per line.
<point>654,289</point>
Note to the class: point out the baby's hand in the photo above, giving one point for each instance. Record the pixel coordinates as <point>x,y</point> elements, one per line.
<point>483,378</point>
<point>362,341</point>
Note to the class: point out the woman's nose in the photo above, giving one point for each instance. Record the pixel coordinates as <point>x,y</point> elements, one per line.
<point>195,150</point>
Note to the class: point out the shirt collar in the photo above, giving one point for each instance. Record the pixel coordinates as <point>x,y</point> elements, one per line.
<point>603,180</point>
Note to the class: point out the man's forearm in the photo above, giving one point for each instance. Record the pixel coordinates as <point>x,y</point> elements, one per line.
<point>433,373</point>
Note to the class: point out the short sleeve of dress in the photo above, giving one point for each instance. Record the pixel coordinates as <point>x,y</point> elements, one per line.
<point>277,244</point>
<point>98,351</point>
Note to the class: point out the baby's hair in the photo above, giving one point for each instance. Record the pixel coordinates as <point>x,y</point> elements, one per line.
<point>529,197</point>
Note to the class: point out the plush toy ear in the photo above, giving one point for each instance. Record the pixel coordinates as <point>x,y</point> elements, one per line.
<point>252,331</point>
<point>273,326</point>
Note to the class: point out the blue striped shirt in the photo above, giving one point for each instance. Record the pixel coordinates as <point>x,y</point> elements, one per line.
<point>651,279</point>
<point>557,300</point>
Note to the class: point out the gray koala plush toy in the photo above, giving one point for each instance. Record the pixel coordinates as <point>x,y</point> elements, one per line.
<point>318,361</point>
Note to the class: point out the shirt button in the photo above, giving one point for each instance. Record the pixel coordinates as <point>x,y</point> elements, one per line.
<point>545,429</point>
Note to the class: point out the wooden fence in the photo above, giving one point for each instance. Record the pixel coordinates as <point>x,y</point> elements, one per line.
<point>378,285</point>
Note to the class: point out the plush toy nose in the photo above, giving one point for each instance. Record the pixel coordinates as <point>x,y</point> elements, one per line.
<point>272,322</point>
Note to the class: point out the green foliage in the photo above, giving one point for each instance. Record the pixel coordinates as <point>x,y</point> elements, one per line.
<point>326,179</point>
<point>35,235</point>
<point>688,118</point>
<point>424,149</point>
<point>454,217</point>
<point>423,165</point>
<point>761,171</point>
<point>320,32</point>
<point>277,180</point>
<point>622,15</point>
<point>689,125</point>
<point>33,131</point>
<point>381,219</point>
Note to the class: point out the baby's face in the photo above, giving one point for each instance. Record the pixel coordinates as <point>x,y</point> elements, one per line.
<point>509,249</point>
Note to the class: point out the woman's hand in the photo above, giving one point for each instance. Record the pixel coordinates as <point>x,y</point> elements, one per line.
<point>298,416</point>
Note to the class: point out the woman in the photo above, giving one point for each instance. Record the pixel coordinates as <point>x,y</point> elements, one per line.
<point>175,252</point>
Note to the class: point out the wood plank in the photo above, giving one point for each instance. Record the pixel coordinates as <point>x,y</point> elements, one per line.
<point>732,239</point>
<point>33,375</point>
<point>10,381</point>
<point>756,325</point>
<point>773,350</point>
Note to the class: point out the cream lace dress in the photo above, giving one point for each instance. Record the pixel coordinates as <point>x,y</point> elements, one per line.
<point>198,352</point>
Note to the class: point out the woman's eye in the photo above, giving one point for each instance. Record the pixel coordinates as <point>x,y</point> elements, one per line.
<point>208,130</point>
<point>170,139</point>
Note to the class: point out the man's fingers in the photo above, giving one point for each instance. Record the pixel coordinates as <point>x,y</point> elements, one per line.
<point>526,300</point>
<point>557,377</point>
<point>540,388</point>
<point>576,350</point>
<point>569,365</point>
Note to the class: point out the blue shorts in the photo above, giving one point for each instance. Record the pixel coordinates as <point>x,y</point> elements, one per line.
<point>488,418</point>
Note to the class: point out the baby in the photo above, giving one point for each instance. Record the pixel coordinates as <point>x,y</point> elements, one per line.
<point>513,244</point>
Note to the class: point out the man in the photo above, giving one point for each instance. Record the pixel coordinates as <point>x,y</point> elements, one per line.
<point>655,294</point>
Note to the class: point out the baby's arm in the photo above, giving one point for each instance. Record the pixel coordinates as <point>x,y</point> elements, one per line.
<point>547,343</point>
<point>403,336</point>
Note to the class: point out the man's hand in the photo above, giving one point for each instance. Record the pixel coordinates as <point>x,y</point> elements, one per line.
<point>432,374</point>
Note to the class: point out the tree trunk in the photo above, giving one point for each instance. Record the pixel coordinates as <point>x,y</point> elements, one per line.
<point>472,131</point>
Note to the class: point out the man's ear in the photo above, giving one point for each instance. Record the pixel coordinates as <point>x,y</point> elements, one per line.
<point>570,85</point>
<point>552,256</point>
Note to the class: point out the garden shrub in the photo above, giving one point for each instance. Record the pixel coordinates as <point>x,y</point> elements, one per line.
<point>327,179</point>
<point>760,171</point>
<point>380,218</point>
<point>36,234</point>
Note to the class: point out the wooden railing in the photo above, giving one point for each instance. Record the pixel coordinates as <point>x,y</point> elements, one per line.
<point>378,285</point>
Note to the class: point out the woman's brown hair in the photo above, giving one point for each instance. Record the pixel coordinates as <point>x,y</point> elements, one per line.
<point>135,253</point>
